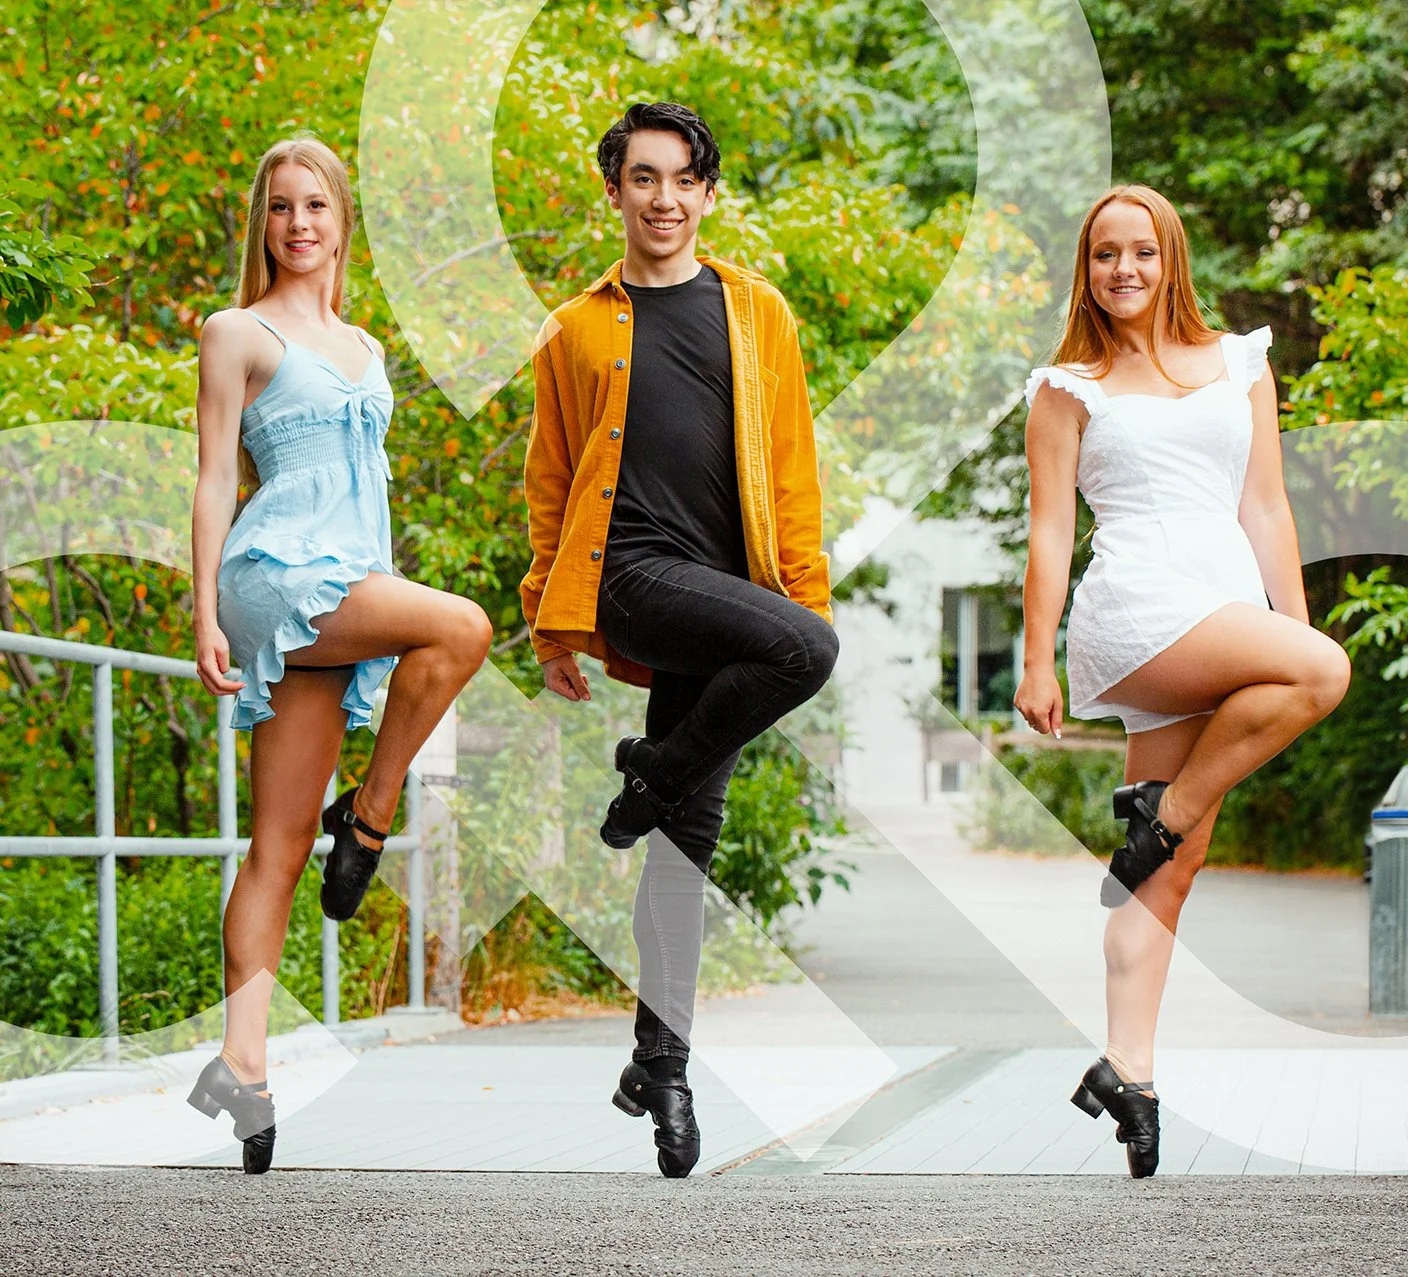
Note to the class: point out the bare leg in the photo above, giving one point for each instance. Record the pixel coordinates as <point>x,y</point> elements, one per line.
<point>292,756</point>
<point>1257,680</point>
<point>442,641</point>
<point>1263,677</point>
<point>1139,941</point>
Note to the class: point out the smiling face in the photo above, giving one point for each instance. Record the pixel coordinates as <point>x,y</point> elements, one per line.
<point>661,199</point>
<point>1125,262</point>
<point>303,232</point>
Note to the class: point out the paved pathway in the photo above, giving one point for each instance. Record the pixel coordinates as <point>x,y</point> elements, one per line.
<point>969,1159</point>
<point>982,1065</point>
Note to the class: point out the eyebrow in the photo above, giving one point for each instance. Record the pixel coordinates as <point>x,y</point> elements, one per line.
<point>640,166</point>
<point>1109,243</point>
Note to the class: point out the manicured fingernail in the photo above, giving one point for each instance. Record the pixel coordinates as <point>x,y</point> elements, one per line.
<point>1058,733</point>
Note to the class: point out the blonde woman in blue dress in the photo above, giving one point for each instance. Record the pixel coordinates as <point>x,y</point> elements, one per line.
<point>299,592</point>
<point>1169,431</point>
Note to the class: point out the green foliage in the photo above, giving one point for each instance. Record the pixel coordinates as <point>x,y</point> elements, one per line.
<point>1362,370</point>
<point>849,156</point>
<point>169,956</point>
<point>1361,376</point>
<point>1282,143</point>
<point>1383,606</point>
<point>769,859</point>
<point>37,270</point>
<point>139,134</point>
<point>1071,785</point>
<point>818,109</point>
<point>1310,805</point>
<point>866,583</point>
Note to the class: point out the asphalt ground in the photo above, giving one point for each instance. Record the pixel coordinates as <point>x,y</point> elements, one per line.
<point>183,1221</point>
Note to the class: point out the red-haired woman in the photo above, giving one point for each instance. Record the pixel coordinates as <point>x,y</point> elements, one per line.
<point>1169,431</point>
<point>300,591</point>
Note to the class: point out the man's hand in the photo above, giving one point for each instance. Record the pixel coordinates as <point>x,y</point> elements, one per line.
<point>562,676</point>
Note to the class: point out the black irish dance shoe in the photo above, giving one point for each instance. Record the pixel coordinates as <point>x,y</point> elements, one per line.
<point>658,1087</point>
<point>218,1088</point>
<point>1137,1114</point>
<point>350,865</point>
<point>1149,844</point>
<point>640,806</point>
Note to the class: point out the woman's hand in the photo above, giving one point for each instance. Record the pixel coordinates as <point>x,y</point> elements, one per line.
<point>213,660</point>
<point>562,676</point>
<point>1039,701</point>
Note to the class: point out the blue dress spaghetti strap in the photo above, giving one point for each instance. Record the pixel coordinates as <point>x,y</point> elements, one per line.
<point>318,522</point>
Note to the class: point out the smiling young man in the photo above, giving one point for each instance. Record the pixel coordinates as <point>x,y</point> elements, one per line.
<point>675,518</point>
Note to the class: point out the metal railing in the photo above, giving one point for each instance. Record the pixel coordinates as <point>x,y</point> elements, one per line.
<point>105,845</point>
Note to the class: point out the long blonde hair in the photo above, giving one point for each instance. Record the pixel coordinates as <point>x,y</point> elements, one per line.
<point>257,265</point>
<point>1088,339</point>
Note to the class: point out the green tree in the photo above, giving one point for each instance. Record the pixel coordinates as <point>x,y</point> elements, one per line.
<point>140,138</point>
<point>37,270</point>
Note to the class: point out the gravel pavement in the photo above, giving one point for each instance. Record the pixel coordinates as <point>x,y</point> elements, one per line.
<point>176,1221</point>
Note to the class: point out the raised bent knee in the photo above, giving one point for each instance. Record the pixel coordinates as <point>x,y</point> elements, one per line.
<point>469,638</point>
<point>1329,679</point>
<point>820,648</point>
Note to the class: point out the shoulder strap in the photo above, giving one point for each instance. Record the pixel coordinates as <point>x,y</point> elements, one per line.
<point>1086,389</point>
<point>1249,362</point>
<point>260,318</point>
<point>366,341</point>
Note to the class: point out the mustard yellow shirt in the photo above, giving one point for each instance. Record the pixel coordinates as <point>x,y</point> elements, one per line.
<point>581,375</point>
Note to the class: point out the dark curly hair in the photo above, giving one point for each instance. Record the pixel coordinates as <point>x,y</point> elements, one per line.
<point>670,117</point>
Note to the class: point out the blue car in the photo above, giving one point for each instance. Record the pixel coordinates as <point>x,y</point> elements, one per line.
<point>1388,820</point>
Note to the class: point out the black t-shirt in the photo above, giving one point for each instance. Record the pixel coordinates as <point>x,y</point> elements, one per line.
<point>677,490</point>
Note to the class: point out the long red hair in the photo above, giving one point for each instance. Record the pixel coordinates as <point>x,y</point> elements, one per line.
<point>1176,314</point>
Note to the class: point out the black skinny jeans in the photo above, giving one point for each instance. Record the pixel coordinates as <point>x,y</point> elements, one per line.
<point>728,659</point>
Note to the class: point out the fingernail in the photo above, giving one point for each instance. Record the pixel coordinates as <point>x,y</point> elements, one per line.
<point>1058,733</point>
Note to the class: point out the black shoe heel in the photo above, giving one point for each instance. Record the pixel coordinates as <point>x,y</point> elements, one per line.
<point>203,1102</point>
<point>1085,1100</point>
<point>350,866</point>
<point>627,1105</point>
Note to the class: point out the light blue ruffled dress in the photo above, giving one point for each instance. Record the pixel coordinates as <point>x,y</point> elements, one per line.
<point>318,522</point>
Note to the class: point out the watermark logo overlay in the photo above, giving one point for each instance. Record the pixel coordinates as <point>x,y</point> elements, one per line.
<point>445,260</point>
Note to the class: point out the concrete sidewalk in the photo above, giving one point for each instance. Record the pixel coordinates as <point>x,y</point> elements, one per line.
<point>981,1063</point>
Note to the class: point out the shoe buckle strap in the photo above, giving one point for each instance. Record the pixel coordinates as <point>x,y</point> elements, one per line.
<point>350,817</point>
<point>1151,817</point>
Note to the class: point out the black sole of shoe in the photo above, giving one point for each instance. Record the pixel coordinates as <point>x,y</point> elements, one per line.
<point>330,910</point>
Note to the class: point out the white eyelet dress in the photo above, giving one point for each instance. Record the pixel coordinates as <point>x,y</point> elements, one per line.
<point>1164,479</point>
<point>317,524</point>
